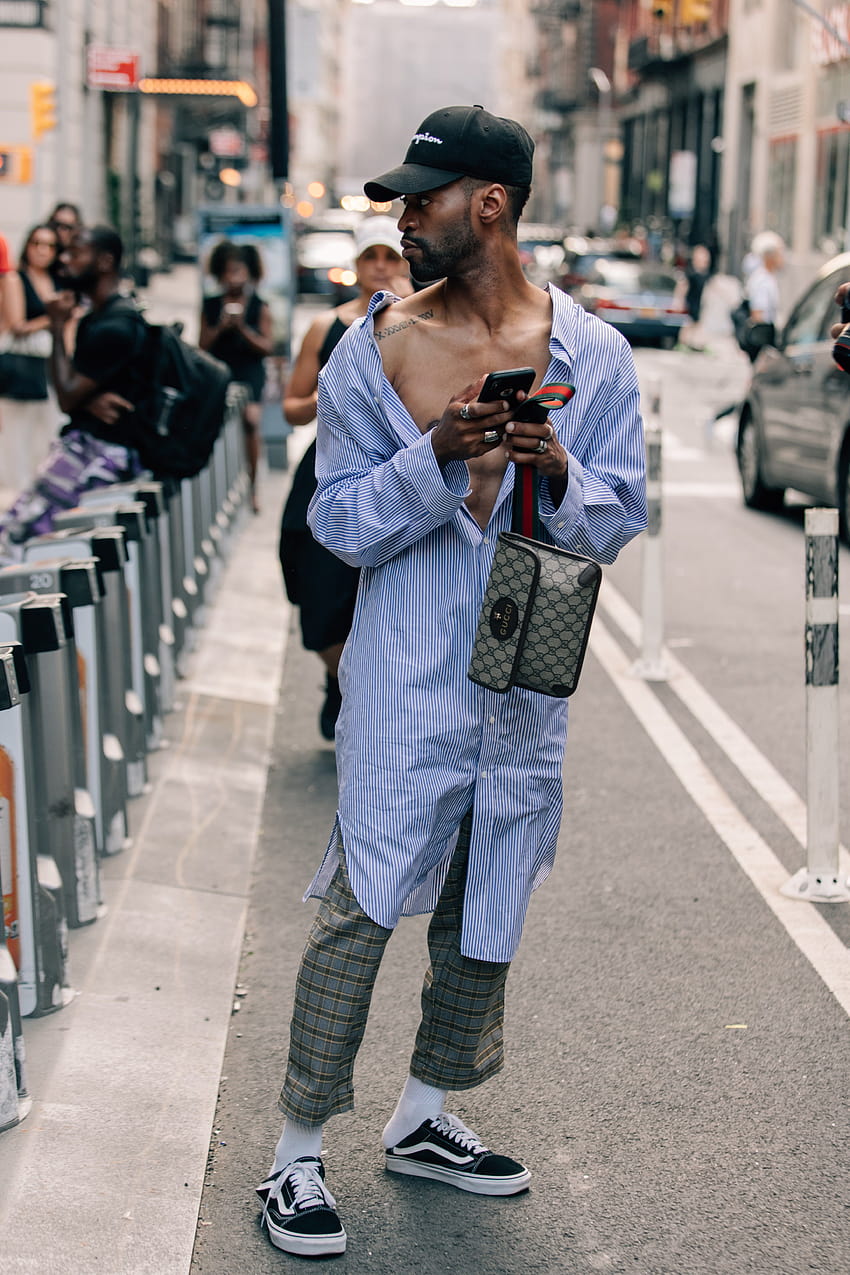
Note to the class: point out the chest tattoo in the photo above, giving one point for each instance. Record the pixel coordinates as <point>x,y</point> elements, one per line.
<point>406,323</point>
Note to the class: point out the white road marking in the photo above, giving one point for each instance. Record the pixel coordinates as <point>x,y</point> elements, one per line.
<point>762,776</point>
<point>813,936</point>
<point>720,491</point>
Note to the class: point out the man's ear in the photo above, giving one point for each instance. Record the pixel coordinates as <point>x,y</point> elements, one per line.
<point>489,203</point>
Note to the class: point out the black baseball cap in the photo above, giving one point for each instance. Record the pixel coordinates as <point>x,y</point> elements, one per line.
<point>459,141</point>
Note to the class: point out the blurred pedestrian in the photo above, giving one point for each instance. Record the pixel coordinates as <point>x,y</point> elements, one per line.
<point>65,220</point>
<point>319,583</point>
<point>762,286</point>
<point>97,389</point>
<point>697,272</point>
<point>236,326</point>
<point>449,794</point>
<point>30,412</point>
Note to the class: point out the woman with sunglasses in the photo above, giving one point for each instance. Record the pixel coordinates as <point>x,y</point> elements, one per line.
<point>30,414</point>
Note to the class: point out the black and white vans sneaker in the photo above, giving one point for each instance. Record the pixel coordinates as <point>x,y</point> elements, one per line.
<point>444,1149</point>
<point>299,1211</point>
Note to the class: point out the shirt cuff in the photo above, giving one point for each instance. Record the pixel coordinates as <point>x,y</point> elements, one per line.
<point>561,521</point>
<point>441,490</point>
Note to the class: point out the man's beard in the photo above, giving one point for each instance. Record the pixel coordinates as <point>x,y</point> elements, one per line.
<point>443,260</point>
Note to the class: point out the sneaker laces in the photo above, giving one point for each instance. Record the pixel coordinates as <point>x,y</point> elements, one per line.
<point>308,1187</point>
<point>453,1128</point>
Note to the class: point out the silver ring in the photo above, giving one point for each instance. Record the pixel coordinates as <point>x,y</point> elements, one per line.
<point>541,447</point>
<point>464,412</point>
<point>491,436</point>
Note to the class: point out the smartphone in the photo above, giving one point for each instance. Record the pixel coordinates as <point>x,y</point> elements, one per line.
<point>505,385</point>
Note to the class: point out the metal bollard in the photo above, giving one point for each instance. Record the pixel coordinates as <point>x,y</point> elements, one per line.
<point>99,778</point>
<point>651,665</point>
<point>194,563</point>
<point>184,590</point>
<point>141,587</point>
<point>820,881</point>
<point>64,814</point>
<point>157,636</point>
<point>15,1101</point>
<point>127,719</point>
<point>33,905</point>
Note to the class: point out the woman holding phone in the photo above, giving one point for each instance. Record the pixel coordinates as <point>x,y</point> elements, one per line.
<point>236,326</point>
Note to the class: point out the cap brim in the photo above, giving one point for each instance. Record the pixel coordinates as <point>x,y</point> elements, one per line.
<point>408,179</point>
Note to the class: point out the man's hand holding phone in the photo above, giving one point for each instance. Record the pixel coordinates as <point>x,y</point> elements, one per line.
<point>490,413</point>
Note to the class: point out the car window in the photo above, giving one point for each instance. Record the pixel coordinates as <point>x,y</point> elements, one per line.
<point>833,314</point>
<point>316,251</point>
<point>633,276</point>
<point>807,322</point>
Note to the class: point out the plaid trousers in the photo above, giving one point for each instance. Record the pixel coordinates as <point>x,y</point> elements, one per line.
<point>459,1043</point>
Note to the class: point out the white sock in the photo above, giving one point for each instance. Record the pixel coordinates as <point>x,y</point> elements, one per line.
<point>418,1101</point>
<point>295,1141</point>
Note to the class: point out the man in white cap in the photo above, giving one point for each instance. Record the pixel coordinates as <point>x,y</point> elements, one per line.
<point>449,794</point>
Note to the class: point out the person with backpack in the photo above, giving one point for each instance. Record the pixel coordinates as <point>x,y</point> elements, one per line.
<point>236,327</point>
<point>95,389</point>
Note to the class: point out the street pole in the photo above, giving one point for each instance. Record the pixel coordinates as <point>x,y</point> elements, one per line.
<point>278,98</point>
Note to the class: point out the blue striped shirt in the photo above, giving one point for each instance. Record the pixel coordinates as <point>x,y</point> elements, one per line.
<point>417,742</point>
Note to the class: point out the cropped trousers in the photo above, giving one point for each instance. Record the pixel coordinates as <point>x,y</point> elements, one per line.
<point>459,1043</point>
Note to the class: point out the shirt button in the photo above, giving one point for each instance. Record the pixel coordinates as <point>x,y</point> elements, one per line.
<point>485,774</point>
<point>485,541</point>
<point>492,721</point>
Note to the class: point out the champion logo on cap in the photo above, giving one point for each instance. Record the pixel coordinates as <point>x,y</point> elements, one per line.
<point>460,141</point>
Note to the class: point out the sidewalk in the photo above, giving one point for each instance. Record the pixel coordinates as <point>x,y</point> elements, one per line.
<point>105,1174</point>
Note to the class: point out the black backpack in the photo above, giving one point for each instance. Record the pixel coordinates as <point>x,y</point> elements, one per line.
<point>179,418</point>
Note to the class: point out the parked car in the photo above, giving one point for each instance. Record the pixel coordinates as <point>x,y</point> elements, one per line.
<point>581,254</point>
<point>643,299</point>
<point>794,423</point>
<point>325,264</point>
<point>541,251</point>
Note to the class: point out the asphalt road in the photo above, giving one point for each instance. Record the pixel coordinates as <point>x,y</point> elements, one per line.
<point>677,1036</point>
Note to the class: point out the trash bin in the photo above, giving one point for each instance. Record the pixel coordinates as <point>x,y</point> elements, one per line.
<point>33,902</point>
<point>12,1109</point>
<point>99,776</point>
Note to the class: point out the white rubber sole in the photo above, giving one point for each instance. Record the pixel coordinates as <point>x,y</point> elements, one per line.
<point>306,1245</point>
<point>476,1183</point>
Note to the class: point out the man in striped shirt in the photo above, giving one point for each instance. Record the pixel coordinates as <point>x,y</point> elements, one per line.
<point>449,794</point>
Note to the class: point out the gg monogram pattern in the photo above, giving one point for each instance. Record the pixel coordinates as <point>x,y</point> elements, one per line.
<point>555,593</point>
<point>512,579</point>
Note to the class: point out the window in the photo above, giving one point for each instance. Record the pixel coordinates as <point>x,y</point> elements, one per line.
<point>831,190</point>
<point>782,179</point>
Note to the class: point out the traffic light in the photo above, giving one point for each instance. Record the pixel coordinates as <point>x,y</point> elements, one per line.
<point>694,13</point>
<point>42,108</point>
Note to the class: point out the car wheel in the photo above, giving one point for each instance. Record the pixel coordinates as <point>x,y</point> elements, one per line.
<point>668,341</point>
<point>757,494</point>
